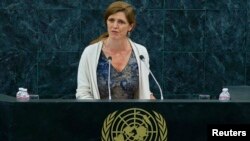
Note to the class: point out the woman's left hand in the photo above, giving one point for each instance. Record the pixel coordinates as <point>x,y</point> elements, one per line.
<point>152,96</point>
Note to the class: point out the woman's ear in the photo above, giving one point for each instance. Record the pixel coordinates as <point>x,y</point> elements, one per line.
<point>131,27</point>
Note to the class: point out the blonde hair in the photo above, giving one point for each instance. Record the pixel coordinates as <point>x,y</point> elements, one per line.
<point>118,6</point>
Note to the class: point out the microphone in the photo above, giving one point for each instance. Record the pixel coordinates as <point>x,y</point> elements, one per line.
<point>143,60</point>
<point>109,60</point>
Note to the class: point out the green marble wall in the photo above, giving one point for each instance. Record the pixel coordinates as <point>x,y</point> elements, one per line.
<point>195,46</point>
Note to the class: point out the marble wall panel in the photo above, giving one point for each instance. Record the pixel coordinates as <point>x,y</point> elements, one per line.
<point>247,69</point>
<point>149,30</point>
<point>18,69</point>
<point>226,4</point>
<point>18,50</point>
<point>223,69</point>
<point>57,73</point>
<point>59,30</point>
<point>248,30</point>
<point>226,30</point>
<point>19,30</point>
<point>156,4</point>
<point>39,4</point>
<point>184,30</point>
<point>183,73</point>
<point>95,4</point>
<point>185,4</point>
<point>91,28</point>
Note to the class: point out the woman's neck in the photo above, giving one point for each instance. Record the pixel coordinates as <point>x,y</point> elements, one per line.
<point>117,45</point>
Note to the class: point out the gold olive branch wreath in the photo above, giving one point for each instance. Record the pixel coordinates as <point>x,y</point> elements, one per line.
<point>106,126</point>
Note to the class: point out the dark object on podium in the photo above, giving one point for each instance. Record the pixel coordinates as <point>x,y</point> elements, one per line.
<point>239,92</point>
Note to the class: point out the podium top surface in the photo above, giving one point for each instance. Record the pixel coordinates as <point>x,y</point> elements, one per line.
<point>6,98</point>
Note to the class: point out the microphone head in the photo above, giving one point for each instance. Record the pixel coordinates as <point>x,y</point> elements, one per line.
<point>142,57</point>
<point>110,58</point>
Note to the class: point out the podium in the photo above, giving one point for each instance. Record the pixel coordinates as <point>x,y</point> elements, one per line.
<point>87,120</point>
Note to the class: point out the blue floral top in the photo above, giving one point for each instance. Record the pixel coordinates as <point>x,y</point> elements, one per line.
<point>123,84</point>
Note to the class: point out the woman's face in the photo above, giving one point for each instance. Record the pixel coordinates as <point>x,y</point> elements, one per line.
<point>118,26</point>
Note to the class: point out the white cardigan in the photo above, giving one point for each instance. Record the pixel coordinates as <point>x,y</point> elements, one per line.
<point>87,82</point>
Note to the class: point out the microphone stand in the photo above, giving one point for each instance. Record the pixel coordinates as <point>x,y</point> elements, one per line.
<point>109,60</point>
<point>143,60</point>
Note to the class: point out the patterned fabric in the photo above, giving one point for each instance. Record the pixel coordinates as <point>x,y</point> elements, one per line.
<point>124,84</point>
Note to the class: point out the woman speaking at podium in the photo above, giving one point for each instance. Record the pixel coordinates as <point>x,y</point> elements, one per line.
<point>113,66</point>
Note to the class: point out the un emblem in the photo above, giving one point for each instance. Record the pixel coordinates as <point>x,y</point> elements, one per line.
<point>134,124</point>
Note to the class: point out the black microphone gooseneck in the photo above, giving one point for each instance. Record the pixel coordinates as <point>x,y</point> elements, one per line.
<point>143,60</point>
<point>109,60</point>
